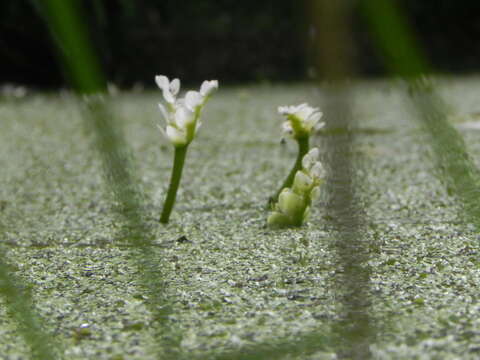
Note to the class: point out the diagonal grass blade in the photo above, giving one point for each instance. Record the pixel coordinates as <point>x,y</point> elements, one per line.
<point>79,61</point>
<point>454,166</point>
<point>20,306</point>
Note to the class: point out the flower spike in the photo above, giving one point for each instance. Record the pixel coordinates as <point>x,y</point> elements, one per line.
<point>182,117</point>
<point>301,121</point>
<point>294,203</point>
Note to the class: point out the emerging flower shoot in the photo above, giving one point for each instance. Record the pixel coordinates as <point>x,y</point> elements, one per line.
<point>182,117</point>
<point>301,121</point>
<point>294,202</point>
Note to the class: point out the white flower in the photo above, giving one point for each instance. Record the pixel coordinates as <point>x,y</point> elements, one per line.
<point>301,119</point>
<point>182,116</point>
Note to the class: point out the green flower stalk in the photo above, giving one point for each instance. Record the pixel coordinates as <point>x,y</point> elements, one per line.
<point>293,206</point>
<point>182,118</point>
<point>301,121</point>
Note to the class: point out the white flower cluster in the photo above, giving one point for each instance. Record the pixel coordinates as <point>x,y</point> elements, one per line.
<point>182,115</point>
<point>293,204</point>
<point>301,120</point>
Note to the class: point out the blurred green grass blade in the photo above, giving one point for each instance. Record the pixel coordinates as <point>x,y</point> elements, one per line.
<point>395,39</point>
<point>70,33</point>
<point>135,230</point>
<point>454,166</point>
<point>65,21</point>
<point>20,307</point>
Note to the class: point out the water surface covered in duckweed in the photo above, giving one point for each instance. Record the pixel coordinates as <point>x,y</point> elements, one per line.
<point>232,282</point>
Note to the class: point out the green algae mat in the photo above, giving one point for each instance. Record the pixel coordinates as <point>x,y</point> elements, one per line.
<point>231,288</point>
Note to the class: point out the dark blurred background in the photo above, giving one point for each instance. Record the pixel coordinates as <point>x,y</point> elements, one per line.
<point>232,40</point>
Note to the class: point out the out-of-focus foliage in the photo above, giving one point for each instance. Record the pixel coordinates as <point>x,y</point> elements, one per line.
<point>246,40</point>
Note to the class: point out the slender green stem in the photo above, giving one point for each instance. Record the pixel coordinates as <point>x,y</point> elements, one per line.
<point>303,147</point>
<point>178,161</point>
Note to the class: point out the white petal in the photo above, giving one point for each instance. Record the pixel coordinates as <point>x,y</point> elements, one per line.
<point>208,87</point>
<point>184,117</point>
<point>167,95</point>
<point>164,84</point>
<point>162,81</point>
<point>312,120</point>
<point>317,116</point>
<point>176,137</point>
<point>304,113</point>
<point>193,99</point>
<point>293,109</point>
<point>300,108</point>
<point>175,86</point>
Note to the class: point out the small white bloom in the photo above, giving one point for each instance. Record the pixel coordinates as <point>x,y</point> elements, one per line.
<point>301,119</point>
<point>182,116</point>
